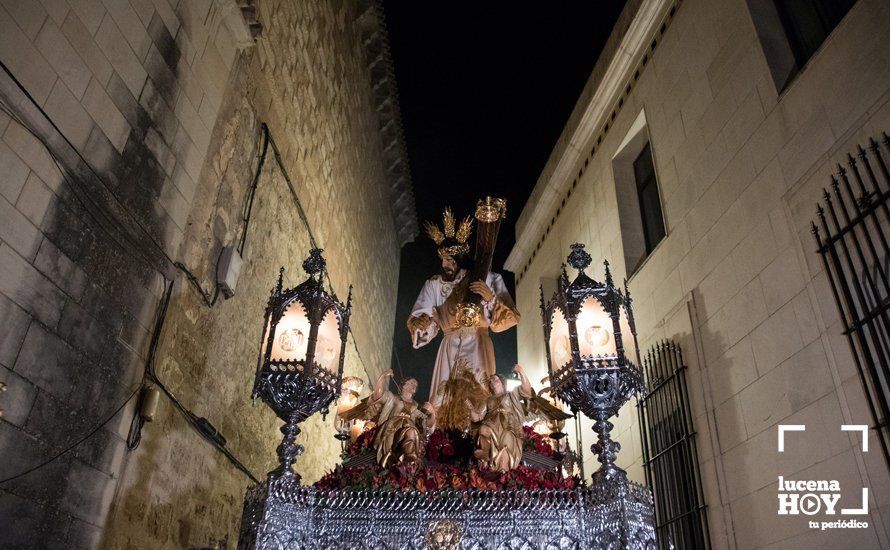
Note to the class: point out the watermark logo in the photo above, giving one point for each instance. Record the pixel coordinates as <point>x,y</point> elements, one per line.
<point>819,496</point>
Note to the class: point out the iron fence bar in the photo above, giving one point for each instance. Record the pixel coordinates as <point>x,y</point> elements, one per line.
<point>670,456</point>
<point>848,332</point>
<point>876,150</point>
<point>658,473</point>
<point>693,452</point>
<point>865,193</point>
<point>860,303</point>
<point>844,305</point>
<point>698,508</point>
<point>665,381</point>
<point>669,474</point>
<point>644,435</point>
<point>871,175</point>
<point>851,304</point>
<point>861,215</point>
<point>659,470</point>
<point>682,427</point>
<point>877,193</point>
<point>856,246</point>
<point>672,445</point>
<point>666,425</point>
<point>857,324</point>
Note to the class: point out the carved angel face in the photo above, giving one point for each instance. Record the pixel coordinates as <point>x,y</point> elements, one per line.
<point>496,385</point>
<point>409,388</point>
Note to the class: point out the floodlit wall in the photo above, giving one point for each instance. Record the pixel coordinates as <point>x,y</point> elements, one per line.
<point>736,282</point>
<point>130,143</point>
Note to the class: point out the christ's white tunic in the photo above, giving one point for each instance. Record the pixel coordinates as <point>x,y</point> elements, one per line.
<point>472,345</point>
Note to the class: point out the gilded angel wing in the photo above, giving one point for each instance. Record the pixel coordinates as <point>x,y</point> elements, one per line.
<point>365,410</point>
<point>539,406</point>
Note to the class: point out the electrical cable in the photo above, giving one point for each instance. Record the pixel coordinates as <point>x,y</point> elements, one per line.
<point>105,220</point>
<point>125,243</point>
<point>108,191</point>
<point>189,416</point>
<point>76,443</point>
<point>248,208</point>
<point>302,214</point>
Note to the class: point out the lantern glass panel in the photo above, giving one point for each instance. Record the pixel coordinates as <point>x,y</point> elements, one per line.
<point>327,348</point>
<point>595,329</point>
<point>627,338</point>
<point>560,345</point>
<point>291,334</point>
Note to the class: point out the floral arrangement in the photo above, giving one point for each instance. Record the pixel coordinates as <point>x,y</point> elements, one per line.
<point>536,442</point>
<point>449,465</point>
<point>363,443</point>
<point>449,447</point>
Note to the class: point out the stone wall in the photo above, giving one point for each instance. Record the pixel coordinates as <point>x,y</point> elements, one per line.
<point>736,282</point>
<point>136,149</point>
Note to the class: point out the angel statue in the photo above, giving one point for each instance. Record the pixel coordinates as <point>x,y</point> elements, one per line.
<point>402,424</point>
<point>499,436</point>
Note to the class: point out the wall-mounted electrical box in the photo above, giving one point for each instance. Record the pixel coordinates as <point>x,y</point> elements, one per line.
<point>228,270</point>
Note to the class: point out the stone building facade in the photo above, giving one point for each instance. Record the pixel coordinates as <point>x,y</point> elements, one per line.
<point>130,136</point>
<point>742,147</point>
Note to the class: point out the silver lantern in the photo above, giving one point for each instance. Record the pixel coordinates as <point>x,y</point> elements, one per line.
<point>301,366</point>
<point>592,353</point>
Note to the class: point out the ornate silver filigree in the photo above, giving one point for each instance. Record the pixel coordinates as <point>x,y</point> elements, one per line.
<point>281,514</point>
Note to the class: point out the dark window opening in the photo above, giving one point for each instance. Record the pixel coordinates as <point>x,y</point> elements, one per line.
<point>808,23</point>
<point>649,200</point>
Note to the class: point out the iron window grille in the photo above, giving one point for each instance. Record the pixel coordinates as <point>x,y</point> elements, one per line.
<point>670,458</point>
<point>852,242</point>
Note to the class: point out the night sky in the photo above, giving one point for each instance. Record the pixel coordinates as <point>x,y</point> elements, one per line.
<point>485,91</point>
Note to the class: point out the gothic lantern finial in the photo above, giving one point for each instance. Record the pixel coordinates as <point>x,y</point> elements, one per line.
<point>579,258</point>
<point>315,263</point>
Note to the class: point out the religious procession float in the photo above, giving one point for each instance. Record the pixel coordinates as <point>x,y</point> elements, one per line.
<point>477,466</point>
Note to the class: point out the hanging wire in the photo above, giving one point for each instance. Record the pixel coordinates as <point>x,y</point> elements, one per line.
<point>111,225</point>
<point>80,440</point>
<point>119,235</point>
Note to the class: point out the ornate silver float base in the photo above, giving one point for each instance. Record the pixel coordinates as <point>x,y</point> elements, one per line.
<point>280,514</point>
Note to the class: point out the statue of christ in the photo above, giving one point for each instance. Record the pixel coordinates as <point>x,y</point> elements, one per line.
<point>437,309</point>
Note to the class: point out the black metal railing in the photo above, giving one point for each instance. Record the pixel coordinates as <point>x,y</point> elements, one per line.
<point>852,242</point>
<point>670,459</point>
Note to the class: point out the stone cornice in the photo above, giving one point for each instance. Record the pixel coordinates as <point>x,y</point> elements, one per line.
<point>605,85</point>
<point>386,100</point>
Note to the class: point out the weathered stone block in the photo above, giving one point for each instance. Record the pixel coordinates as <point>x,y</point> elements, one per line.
<point>48,362</point>
<point>82,41</point>
<point>116,49</point>
<point>27,524</point>
<point>106,115</point>
<point>88,494</point>
<point>17,400</point>
<point>14,171</point>
<point>15,325</point>
<point>34,199</point>
<point>29,16</point>
<point>84,332</point>
<point>61,55</point>
<point>30,150</point>
<point>18,231</point>
<point>25,286</point>
<point>70,117</point>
